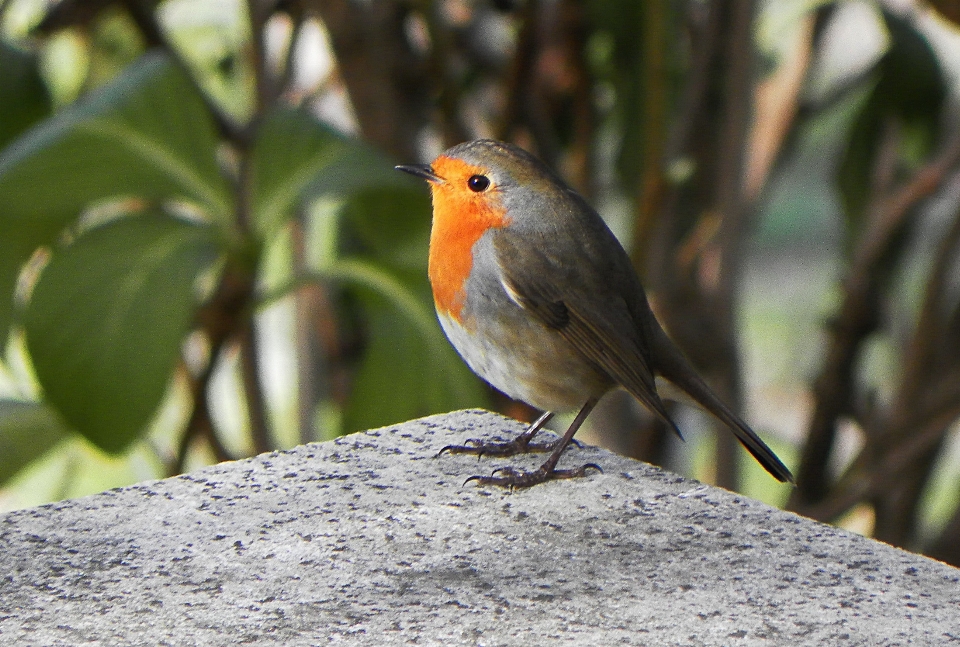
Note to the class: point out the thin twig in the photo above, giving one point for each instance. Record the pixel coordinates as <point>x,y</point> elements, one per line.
<point>894,210</point>
<point>219,319</point>
<point>253,388</point>
<point>730,202</point>
<point>200,424</point>
<point>652,183</point>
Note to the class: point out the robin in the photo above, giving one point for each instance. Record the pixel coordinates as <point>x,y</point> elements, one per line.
<point>540,299</point>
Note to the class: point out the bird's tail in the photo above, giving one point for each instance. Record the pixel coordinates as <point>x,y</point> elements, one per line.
<point>671,363</point>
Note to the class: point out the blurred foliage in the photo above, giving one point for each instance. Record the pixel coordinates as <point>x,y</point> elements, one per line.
<point>205,245</point>
<point>23,94</point>
<point>907,90</point>
<point>136,219</point>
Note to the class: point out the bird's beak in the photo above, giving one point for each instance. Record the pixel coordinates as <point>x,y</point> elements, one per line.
<point>420,170</point>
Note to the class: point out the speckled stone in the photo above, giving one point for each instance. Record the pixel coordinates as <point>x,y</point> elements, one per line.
<point>372,540</point>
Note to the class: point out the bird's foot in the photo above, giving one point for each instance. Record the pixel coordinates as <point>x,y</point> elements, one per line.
<point>510,478</point>
<point>518,445</point>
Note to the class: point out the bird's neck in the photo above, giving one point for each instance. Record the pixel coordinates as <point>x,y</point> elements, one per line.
<point>459,221</point>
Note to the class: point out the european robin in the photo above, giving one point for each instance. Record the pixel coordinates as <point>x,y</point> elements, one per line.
<point>540,299</point>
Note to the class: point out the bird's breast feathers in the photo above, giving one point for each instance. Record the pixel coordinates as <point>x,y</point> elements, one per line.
<point>458,223</point>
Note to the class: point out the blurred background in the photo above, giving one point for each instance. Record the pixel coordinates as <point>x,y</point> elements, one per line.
<point>206,253</point>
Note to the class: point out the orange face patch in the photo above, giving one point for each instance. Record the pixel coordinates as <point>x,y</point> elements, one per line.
<point>460,218</point>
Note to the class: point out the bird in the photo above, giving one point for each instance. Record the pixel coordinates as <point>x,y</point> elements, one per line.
<point>540,299</point>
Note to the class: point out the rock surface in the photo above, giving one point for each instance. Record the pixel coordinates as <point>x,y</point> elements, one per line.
<point>371,540</point>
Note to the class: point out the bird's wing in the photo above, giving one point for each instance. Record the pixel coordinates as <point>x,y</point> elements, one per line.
<point>590,314</point>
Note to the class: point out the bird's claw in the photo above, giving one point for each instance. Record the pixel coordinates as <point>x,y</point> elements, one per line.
<point>501,449</point>
<point>470,446</point>
<point>512,479</point>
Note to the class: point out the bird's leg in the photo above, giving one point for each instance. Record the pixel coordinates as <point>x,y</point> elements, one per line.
<point>511,478</point>
<point>519,445</point>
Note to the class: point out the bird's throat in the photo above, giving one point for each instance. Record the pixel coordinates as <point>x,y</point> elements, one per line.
<point>459,220</point>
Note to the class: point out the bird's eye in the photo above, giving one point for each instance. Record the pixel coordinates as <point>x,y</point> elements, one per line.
<point>478,183</point>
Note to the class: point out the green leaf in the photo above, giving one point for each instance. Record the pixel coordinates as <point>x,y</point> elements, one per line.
<point>856,166</point>
<point>24,98</point>
<point>409,369</point>
<point>106,319</point>
<point>393,225</point>
<point>28,430</point>
<point>910,90</point>
<point>296,157</point>
<point>147,134</point>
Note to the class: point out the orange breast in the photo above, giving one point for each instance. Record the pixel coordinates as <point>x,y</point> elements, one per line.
<point>460,218</point>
